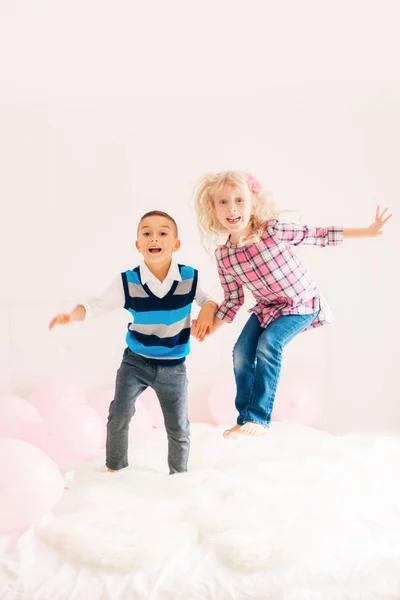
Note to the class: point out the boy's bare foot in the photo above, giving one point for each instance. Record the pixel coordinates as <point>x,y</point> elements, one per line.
<point>252,429</point>
<point>232,433</point>
<point>110,470</point>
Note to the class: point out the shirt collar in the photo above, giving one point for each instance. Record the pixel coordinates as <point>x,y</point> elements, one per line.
<point>146,275</point>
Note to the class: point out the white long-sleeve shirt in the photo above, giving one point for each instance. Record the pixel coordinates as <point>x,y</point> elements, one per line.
<point>114,296</point>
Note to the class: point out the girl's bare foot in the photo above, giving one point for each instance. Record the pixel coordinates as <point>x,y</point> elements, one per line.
<point>232,433</point>
<point>252,429</point>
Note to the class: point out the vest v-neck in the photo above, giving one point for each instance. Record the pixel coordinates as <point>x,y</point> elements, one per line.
<point>152,295</point>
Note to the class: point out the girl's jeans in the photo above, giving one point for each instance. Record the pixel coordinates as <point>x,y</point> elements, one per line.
<point>257,358</point>
<point>135,374</point>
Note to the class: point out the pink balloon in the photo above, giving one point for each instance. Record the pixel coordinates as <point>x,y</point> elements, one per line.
<point>222,400</point>
<point>100,401</point>
<point>19,419</point>
<point>54,393</point>
<point>30,485</point>
<point>297,400</point>
<point>74,433</point>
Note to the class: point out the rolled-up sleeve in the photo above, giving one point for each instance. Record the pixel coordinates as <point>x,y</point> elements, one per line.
<point>302,234</point>
<point>202,296</point>
<point>233,296</point>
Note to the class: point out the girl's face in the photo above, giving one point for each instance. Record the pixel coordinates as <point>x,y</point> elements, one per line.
<point>233,208</point>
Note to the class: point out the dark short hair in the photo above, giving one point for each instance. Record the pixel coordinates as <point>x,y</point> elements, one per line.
<point>160,213</point>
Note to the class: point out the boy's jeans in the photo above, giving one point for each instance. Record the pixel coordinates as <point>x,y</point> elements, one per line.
<point>257,358</point>
<point>135,374</point>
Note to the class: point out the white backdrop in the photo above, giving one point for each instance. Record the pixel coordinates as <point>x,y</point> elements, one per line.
<point>110,109</point>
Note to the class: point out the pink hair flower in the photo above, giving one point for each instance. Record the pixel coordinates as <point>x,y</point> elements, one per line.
<point>253,183</point>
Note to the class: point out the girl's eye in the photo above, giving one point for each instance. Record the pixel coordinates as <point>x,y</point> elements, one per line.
<point>239,199</point>
<point>222,201</point>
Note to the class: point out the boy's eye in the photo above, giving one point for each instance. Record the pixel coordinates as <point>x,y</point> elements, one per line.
<point>146,233</point>
<point>164,233</point>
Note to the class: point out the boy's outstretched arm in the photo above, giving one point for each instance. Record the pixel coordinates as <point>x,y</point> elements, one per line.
<point>111,299</point>
<point>78,314</point>
<point>373,230</point>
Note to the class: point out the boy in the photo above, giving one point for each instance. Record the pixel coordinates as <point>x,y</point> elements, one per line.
<point>159,294</point>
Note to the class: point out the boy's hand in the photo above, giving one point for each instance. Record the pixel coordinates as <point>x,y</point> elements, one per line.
<point>200,331</point>
<point>78,314</point>
<point>61,319</point>
<point>202,326</point>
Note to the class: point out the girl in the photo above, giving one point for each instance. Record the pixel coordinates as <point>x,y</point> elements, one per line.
<point>259,255</point>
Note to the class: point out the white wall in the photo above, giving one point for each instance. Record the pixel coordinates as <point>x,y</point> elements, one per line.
<point>109,109</point>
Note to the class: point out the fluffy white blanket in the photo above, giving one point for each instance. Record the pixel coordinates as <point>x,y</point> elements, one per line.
<point>295,515</point>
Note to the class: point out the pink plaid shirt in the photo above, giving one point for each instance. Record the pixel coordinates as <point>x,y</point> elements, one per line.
<point>274,274</point>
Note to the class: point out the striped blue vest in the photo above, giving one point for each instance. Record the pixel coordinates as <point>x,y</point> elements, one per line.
<point>161,326</point>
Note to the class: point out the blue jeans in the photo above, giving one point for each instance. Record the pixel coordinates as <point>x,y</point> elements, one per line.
<point>257,359</point>
<point>169,382</point>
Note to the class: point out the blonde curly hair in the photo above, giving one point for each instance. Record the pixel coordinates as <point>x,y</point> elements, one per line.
<point>209,184</point>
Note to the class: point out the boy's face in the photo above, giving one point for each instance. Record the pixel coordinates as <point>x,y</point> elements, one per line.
<point>157,240</point>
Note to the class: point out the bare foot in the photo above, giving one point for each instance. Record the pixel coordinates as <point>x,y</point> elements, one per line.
<point>252,429</point>
<point>232,433</point>
<point>110,470</point>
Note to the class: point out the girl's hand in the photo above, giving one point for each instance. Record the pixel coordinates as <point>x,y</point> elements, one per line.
<point>380,220</point>
<point>61,319</point>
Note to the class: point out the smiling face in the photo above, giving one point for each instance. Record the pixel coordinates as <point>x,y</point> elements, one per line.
<point>233,208</point>
<point>157,240</point>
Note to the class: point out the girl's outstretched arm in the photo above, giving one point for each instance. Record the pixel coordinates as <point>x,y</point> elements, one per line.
<point>373,230</point>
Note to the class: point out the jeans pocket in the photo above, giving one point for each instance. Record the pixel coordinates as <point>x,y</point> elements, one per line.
<point>181,371</point>
<point>127,352</point>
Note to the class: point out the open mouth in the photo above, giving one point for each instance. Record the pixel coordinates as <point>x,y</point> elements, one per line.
<point>155,250</point>
<point>233,220</point>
